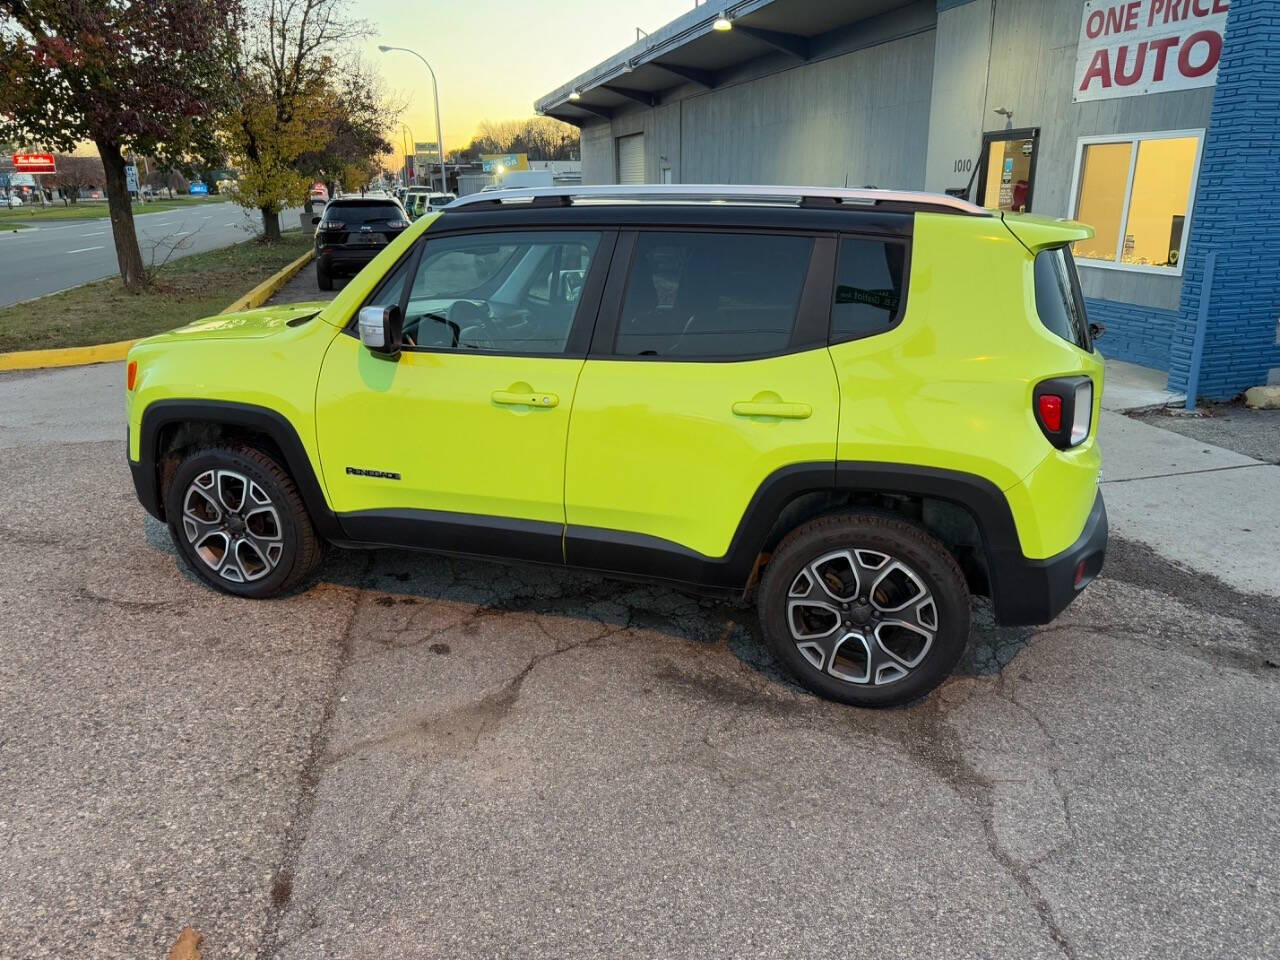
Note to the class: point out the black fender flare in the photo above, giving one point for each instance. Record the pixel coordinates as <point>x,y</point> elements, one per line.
<point>164,413</point>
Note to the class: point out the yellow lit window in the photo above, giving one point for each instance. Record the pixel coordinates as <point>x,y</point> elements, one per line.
<point>1136,193</point>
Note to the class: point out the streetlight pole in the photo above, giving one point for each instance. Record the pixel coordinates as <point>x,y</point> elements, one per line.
<point>435,89</point>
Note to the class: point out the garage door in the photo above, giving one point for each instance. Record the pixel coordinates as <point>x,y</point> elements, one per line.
<point>631,159</point>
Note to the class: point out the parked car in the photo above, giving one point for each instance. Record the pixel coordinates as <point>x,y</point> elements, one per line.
<point>319,194</point>
<point>411,199</point>
<point>13,201</point>
<point>424,203</point>
<point>351,232</point>
<point>859,407</point>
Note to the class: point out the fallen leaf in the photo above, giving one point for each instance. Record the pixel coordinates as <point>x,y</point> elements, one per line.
<point>187,946</point>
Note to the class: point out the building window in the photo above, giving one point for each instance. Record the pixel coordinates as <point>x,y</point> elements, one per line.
<point>1136,192</point>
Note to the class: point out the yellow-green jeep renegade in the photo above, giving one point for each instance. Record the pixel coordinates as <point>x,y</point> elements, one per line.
<point>864,406</point>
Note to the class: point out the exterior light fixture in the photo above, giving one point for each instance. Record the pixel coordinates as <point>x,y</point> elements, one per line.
<point>575,95</point>
<point>722,23</point>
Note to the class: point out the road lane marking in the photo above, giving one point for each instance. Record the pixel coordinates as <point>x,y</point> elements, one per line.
<point>85,249</point>
<point>182,233</point>
<point>98,234</point>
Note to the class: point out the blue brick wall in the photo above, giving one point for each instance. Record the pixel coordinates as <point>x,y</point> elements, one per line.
<point>1237,213</point>
<point>1135,333</point>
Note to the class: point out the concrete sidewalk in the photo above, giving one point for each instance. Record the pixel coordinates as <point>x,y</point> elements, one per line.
<point>1130,387</point>
<point>1211,510</point>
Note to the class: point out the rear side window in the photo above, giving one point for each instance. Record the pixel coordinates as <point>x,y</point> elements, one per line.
<point>362,212</point>
<point>1059,301</point>
<point>712,295</point>
<point>869,288</point>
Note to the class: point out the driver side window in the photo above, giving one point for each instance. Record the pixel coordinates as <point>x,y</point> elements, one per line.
<point>498,292</point>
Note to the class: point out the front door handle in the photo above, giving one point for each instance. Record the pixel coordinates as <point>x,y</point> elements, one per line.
<point>770,408</point>
<point>526,398</point>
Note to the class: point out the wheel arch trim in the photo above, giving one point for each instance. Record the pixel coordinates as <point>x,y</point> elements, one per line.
<point>164,413</point>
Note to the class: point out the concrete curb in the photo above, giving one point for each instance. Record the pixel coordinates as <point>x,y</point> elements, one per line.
<point>113,352</point>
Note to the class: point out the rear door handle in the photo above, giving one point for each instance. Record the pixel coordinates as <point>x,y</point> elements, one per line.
<point>528,399</point>
<point>785,411</point>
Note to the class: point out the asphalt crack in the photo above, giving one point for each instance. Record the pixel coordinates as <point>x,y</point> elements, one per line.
<point>281,888</point>
<point>938,749</point>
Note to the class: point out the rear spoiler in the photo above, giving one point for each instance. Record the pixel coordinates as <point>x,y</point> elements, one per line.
<point>1038,233</point>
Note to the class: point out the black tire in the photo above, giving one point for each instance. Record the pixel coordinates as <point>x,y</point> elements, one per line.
<point>323,280</point>
<point>923,657</point>
<point>300,551</point>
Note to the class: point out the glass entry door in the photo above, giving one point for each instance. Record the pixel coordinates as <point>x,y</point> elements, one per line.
<point>1007,169</point>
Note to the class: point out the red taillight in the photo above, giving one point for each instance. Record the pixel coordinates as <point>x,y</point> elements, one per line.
<point>131,377</point>
<point>1049,406</point>
<point>1063,407</point>
<point>1079,574</point>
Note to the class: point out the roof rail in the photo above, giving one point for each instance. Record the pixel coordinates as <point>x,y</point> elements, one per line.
<point>540,197</point>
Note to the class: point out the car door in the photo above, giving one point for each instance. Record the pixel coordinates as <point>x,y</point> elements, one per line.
<point>709,376</point>
<point>459,443</point>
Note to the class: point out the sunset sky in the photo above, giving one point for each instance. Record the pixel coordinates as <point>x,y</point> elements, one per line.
<point>493,58</point>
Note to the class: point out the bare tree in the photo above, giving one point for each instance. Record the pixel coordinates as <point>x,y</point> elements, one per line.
<point>542,138</point>
<point>75,174</point>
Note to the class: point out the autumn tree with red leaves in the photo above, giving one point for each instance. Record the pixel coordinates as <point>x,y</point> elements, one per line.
<point>146,78</point>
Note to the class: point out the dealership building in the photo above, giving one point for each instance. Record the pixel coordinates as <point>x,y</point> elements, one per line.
<point>1155,121</point>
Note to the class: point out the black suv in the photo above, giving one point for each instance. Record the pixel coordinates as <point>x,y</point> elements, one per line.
<point>351,232</point>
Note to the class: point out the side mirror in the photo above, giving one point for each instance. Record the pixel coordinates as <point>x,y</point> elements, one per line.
<point>315,221</point>
<point>381,330</point>
<point>1096,330</point>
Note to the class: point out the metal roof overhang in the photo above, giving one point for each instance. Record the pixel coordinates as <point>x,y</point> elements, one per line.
<point>690,50</point>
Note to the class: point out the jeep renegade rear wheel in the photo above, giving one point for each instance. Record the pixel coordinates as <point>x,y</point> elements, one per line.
<point>238,521</point>
<point>865,609</point>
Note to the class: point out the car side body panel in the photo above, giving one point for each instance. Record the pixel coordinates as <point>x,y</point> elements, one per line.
<point>422,432</point>
<point>656,447</point>
<point>951,386</point>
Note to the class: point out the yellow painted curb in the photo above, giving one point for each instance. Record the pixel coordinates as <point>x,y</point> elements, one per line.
<point>65,356</point>
<point>113,352</point>
<point>269,287</point>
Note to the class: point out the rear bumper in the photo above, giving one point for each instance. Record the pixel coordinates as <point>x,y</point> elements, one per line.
<point>1032,592</point>
<point>343,260</point>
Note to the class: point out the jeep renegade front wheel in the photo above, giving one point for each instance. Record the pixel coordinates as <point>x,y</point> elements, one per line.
<point>239,523</point>
<point>865,609</point>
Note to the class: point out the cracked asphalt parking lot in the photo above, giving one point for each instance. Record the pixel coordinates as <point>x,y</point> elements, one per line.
<point>426,757</point>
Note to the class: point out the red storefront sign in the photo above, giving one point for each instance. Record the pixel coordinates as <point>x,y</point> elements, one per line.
<point>1128,48</point>
<point>34,163</point>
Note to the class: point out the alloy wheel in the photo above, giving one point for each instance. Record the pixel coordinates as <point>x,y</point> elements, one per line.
<point>232,525</point>
<point>861,616</point>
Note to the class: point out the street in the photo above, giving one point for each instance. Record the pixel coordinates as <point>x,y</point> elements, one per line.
<point>55,255</point>
<point>438,757</point>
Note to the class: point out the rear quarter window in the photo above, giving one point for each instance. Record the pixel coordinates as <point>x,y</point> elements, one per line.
<point>870,279</point>
<point>1059,301</point>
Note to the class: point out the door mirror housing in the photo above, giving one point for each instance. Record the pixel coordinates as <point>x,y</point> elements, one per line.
<point>381,330</point>
<point>315,221</point>
<point>1096,330</point>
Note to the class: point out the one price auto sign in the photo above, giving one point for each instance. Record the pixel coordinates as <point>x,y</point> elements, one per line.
<point>34,163</point>
<point>1129,48</point>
